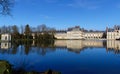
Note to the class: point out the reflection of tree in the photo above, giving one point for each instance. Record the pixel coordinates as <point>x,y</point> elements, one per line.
<point>44,46</point>
<point>104,43</point>
<point>44,43</point>
<point>27,45</point>
<point>15,45</point>
<point>41,46</point>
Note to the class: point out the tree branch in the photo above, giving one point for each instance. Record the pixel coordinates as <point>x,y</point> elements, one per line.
<point>5,6</point>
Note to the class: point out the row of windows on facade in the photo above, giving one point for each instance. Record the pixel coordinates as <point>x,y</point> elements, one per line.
<point>93,37</point>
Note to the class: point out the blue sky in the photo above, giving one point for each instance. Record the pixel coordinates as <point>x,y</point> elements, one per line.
<point>61,14</point>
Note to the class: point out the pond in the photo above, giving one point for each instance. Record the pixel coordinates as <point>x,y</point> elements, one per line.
<point>62,56</point>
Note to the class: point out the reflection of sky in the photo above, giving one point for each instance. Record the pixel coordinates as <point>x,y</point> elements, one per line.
<point>91,60</point>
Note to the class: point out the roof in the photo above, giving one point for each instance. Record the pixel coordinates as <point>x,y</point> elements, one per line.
<point>94,32</point>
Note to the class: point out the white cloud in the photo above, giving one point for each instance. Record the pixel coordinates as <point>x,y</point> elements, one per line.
<point>17,0</point>
<point>51,1</point>
<point>89,4</point>
<point>46,17</point>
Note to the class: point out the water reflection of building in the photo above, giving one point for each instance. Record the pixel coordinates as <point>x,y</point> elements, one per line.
<point>93,43</point>
<point>5,45</point>
<point>75,44</point>
<point>70,45</point>
<point>113,45</point>
<point>78,45</point>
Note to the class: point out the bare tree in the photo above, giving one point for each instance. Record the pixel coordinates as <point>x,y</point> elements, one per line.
<point>4,29</point>
<point>9,29</point>
<point>22,29</point>
<point>43,28</point>
<point>5,6</point>
<point>15,30</point>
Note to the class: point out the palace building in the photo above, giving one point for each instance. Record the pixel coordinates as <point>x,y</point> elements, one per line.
<point>77,33</point>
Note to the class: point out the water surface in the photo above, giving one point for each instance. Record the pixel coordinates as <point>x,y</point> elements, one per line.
<point>65,56</point>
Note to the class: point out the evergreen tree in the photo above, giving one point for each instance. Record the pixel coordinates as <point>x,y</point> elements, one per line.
<point>27,31</point>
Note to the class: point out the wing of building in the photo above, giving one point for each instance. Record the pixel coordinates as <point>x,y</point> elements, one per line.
<point>113,33</point>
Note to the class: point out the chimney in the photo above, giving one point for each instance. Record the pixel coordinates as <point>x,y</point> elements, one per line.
<point>106,29</point>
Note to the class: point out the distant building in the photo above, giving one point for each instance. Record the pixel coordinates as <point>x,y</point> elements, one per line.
<point>77,33</point>
<point>80,33</point>
<point>5,37</point>
<point>113,34</point>
<point>61,35</point>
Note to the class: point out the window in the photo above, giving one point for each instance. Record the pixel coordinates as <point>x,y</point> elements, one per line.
<point>5,37</point>
<point>5,44</point>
